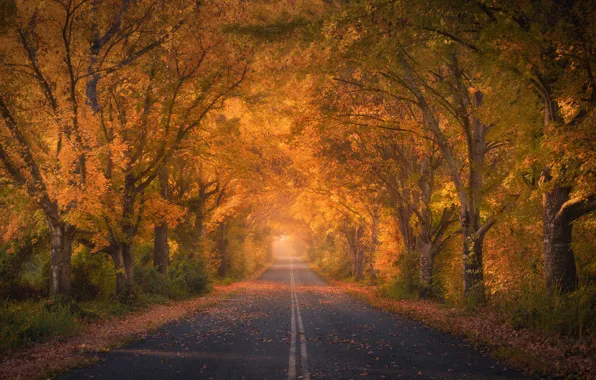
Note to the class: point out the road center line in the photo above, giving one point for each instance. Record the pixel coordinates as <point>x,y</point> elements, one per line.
<point>296,311</point>
<point>292,362</point>
<point>303,354</point>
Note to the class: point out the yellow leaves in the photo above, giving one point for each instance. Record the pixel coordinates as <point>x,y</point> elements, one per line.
<point>157,210</point>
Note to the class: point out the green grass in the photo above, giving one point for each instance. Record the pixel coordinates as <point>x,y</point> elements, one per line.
<point>572,315</point>
<point>24,323</point>
<point>521,359</point>
<point>28,322</point>
<point>97,310</point>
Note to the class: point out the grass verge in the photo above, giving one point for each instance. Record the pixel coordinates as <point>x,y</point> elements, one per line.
<point>58,354</point>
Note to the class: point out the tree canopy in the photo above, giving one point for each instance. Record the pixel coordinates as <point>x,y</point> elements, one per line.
<point>447,149</point>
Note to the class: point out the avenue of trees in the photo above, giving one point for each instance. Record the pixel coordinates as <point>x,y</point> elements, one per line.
<point>442,150</point>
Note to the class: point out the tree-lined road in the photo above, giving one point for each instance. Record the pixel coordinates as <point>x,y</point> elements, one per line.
<point>292,325</point>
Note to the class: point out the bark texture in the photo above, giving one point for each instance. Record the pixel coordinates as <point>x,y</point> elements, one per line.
<point>222,249</point>
<point>559,261</point>
<point>61,237</point>
<point>161,250</point>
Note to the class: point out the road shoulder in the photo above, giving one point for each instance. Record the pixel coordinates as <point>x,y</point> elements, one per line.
<point>529,351</point>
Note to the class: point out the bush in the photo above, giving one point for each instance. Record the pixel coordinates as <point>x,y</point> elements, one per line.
<point>93,276</point>
<point>398,290</point>
<point>191,274</point>
<point>406,285</point>
<point>12,268</point>
<point>150,281</point>
<point>572,315</point>
<point>130,294</point>
<point>28,322</point>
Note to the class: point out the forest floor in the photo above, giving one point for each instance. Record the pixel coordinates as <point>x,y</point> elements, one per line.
<point>532,351</point>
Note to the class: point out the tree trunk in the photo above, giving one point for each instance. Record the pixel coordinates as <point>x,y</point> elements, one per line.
<point>559,262</point>
<point>353,254</point>
<point>359,264</point>
<point>424,247</point>
<point>62,236</point>
<point>122,252</point>
<point>161,251</point>
<point>222,249</point>
<point>124,264</point>
<point>121,282</point>
<point>374,240</point>
<point>472,258</point>
<point>198,227</point>
<point>357,254</point>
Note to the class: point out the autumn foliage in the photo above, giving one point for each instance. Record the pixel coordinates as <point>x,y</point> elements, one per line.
<point>438,150</point>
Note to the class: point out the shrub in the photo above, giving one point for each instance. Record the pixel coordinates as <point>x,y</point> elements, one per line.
<point>406,285</point>
<point>572,315</point>
<point>27,322</point>
<point>191,274</point>
<point>398,290</point>
<point>93,276</point>
<point>130,294</point>
<point>150,281</point>
<point>12,268</point>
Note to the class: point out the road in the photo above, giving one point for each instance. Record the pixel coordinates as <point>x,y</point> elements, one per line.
<point>292,325</point>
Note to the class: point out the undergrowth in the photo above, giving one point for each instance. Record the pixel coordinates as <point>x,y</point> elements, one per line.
<point>37,320</point>
<point>28,322</point>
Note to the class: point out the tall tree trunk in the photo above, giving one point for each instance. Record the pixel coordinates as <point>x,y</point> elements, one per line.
<point>222,249</point>
<point>374,241</point>
<point>121,282</point>
<point>357,253</point>
<point>559,262</point>
<point>124,264</point>
<point>472,258</point>
<point>161,250</point>
<point>429,244</point>
<point>407,271</point>
<point>122,250</point>
<point>353,254</point>
<point>198,229</point>
<point>62,236</point>
<point>359,264</point>
<point>424,248</point>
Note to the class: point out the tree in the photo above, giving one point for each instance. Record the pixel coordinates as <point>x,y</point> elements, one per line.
<point>178,96</point>
<point>48,100</point>
<point>548,47</point>
<point>418,68</point>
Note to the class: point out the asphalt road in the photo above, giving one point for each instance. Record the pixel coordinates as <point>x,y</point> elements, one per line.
<point>292,325</point>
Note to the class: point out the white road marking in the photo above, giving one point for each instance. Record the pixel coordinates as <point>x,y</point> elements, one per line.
<point>292,363</point>
<point>303,354</point>
<point>295,307</point>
